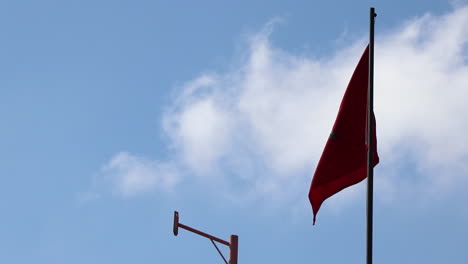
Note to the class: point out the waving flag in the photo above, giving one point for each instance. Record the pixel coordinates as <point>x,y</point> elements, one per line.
<point>344,159</point>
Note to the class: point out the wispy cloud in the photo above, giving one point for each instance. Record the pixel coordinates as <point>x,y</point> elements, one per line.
<point>131,175</point>
<point>262,126</point>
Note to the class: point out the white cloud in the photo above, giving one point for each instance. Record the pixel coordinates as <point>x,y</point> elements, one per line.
<point>132,175</point>
<point>201,129</point>
<point>277,108</point>
<point>261,127</point>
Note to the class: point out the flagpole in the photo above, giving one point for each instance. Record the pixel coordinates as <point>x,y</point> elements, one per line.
<point>370,142</point>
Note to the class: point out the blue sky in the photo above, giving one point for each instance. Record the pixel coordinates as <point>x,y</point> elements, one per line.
<point>116,113</point>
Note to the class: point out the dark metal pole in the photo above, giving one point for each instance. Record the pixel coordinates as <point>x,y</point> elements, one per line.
<point>370,142</point>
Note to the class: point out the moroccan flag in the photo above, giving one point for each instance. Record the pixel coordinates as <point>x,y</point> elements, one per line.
<point>344,159</point>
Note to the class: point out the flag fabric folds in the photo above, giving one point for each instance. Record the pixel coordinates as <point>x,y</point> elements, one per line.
<point>344,159</point>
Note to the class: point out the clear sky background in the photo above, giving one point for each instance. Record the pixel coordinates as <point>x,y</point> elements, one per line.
<point>116,113</point>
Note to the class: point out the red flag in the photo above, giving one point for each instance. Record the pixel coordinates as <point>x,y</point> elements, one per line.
<point>344,159</point>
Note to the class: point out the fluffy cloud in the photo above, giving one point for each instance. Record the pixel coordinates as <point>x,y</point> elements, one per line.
<point>421,75</point>
<point>278,108</point>
<point>262,126</point>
